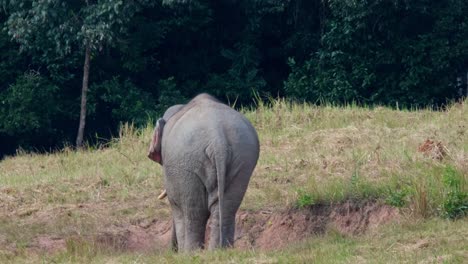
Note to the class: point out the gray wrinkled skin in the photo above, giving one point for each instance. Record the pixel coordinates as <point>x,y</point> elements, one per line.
<point>206,144</point>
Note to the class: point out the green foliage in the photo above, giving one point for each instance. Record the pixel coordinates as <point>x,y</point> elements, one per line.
<point>385,52</point>
<point>10,63</point>
<point>243,76</point>
<point>396,197</point>
<point>455,204</point>
<point>298,84</point>
<point>123,99</point>
<point>29,108</point>
<point>169,95</point>
<point>56,27</point>
<point>304,199</point>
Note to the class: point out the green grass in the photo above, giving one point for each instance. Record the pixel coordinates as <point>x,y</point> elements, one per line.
<point>309,155</point>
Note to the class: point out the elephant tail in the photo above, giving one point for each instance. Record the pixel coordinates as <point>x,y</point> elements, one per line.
<point>220,161</point>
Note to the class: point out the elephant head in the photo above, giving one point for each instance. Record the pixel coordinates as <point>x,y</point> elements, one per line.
<point>154,152</point>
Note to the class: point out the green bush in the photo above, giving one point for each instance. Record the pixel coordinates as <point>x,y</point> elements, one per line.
<point>371,54</point>
<point>30,109</point>
<point>304,199</point>
<point>455,204</point>
<point>169,95</point>
<point>396,197</point>
<point>122,100</point>
<point>242,78</point>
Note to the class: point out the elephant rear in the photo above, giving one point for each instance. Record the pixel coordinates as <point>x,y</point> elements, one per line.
<point>208,153</point>
<point>233,149</point>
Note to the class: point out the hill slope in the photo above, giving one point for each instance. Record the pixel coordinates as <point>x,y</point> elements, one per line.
<point>415,163</point>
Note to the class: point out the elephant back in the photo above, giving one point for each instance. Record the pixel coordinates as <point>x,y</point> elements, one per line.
<point>207,124</point>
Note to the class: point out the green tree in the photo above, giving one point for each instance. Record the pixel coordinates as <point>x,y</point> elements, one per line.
<point>55,29</point>
<point>379,51</point>
<point>30,91</point>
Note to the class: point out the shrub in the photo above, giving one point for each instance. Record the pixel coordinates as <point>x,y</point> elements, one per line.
<point>304,199</point>
<point>125,101</point>
<point>29,110</point>
<point>455,204</point>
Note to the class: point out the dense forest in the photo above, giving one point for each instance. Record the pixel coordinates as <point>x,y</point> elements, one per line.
<point>94,64</point>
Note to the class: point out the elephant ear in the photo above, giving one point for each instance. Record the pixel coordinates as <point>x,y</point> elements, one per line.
<point>154,152</point>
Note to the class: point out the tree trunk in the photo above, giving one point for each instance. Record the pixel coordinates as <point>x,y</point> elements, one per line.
<point>84,91</point>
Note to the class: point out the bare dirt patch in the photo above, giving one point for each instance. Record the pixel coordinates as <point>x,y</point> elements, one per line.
<point>264,230</point>
<point>268,230</point>
<point>49,243</point>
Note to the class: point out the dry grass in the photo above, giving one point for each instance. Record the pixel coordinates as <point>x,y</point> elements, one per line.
<point>328,153</point>
<point>335,153</point>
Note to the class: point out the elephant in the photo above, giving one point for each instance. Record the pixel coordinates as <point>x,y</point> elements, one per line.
<point>208,152</point>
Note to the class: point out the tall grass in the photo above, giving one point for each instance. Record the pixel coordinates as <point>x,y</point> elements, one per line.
<point>329,154</point>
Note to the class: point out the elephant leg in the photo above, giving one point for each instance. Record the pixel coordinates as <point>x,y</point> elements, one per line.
<point>228,228</point>
<point>233,197</point>
<point>189,204</point>
<point>229,223</point>
<point>195,226</point>
<point>189,226</point>
<point>178,233</point>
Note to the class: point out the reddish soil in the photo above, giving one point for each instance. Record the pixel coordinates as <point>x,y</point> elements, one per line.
<point>265,230</point>
<point>434,150</point>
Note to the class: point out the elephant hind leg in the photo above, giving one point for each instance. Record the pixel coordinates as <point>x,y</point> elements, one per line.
<point>189,227</point>
<point>228,228</point>
<point>233,197</point>
<point>232,200</point>
<point>195,226</point>
<point>178,230</point>
<point>188,198</point>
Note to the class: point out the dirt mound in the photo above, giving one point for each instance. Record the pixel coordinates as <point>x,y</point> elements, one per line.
<point>265,230</point>
<point>434,150</point>
<point>276,230</point>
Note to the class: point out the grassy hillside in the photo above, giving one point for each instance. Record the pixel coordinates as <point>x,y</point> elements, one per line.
<point>414,160</point>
